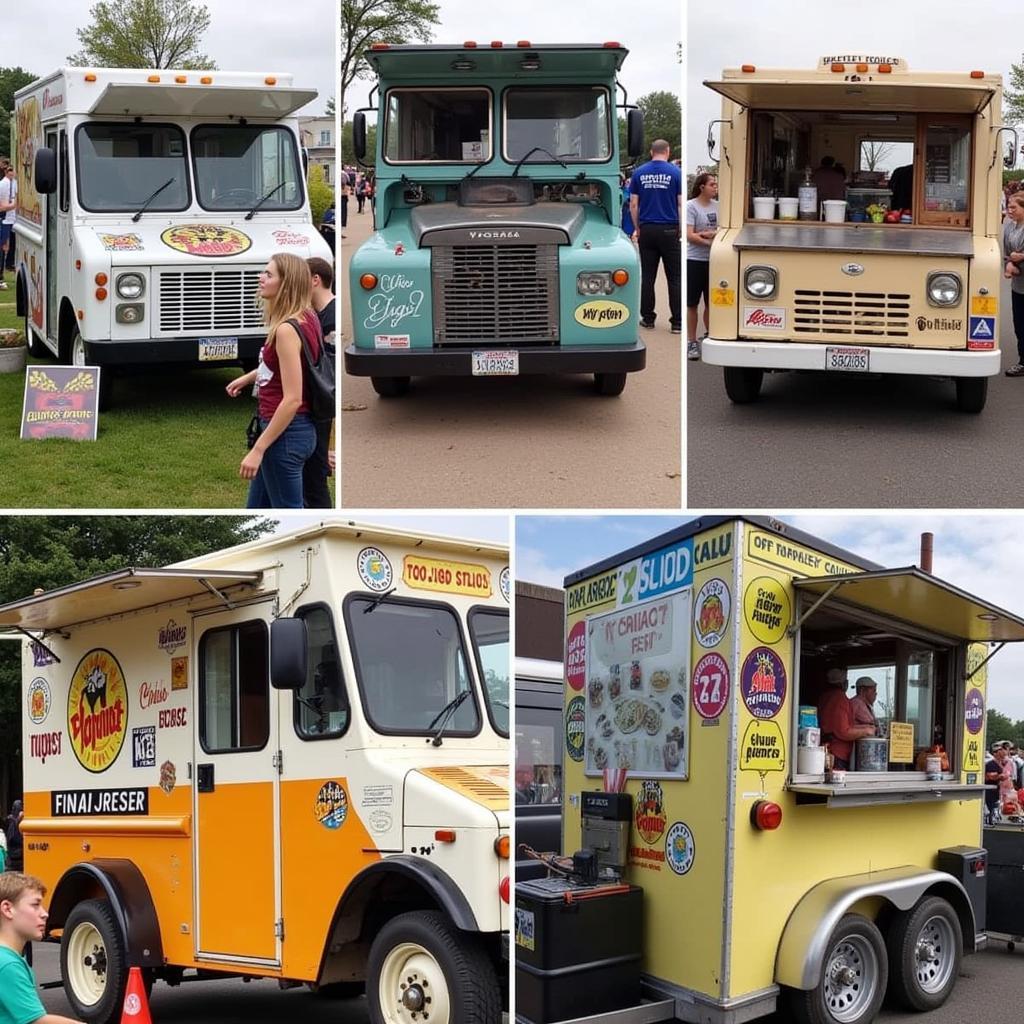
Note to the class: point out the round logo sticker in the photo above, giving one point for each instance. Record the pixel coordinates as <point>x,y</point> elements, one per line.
<point>375,569</point>
<point>206,239</point>
<point>763,682</point>
<point>711,613</point>
<point>650,812</point>
<point>505,584</point>
<point>974,711</point>
<point>331,806</point>
<point>97,710</point>
<point>39,698</point>
<point>766,608</point>
<point>679,848</point>
<point>710,686</point>
<point>575,728</point>
<point>576,656</point>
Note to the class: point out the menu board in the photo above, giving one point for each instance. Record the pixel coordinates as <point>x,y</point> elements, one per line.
<point>638,671</point>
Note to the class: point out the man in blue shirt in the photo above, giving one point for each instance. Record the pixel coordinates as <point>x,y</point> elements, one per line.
<point>656,190</point>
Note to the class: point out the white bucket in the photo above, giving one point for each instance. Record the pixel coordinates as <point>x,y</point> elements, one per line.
<point>764,208</point>
<point>835,210</point>
<point>788,208</point>
<point>810,760</point>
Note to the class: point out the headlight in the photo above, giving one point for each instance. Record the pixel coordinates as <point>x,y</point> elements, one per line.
<point>595,283</point>
<point>944,288</point>
<point>760,282</point>
<point>130,286</point>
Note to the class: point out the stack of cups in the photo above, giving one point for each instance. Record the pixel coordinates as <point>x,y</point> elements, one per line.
<point>810,758</point>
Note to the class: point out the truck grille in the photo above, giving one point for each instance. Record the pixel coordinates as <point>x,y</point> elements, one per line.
<point>861,313</point>
<point>503,293</point>
<point>201,301</point>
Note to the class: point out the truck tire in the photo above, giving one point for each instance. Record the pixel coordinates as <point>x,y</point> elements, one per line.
<point>743,383</point>
<point>422,961</point>
<point>75,356</point>
<point>971,393</point>
<point>94,963</point>
<point>853,977</point>
<point>925,948</point>
<point>609,384</point>
<point>390,387</point>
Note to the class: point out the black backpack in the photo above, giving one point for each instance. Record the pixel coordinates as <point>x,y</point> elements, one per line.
<point>317,377</point>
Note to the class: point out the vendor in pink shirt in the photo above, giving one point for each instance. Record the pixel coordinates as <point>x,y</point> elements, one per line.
<point>835,717</point>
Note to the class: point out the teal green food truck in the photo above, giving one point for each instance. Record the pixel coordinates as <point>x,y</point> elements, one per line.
<point>497,247</point>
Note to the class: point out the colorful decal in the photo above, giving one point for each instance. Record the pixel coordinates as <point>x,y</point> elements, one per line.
<point>41,657</point>
<point>505,584</point>
<point>152,693</point>
<point>592,594</point>
<point>982,332</point>
<point>290,238</point>
<point>45,744</point>
<point>763,683</point>
<point>33,273</point>
<point>662,572</point>
<point>764,318</point>
<point>392,341</point>
<point>173,718</point>
<point>206,239</point>
<point>576,656</point>
<point>395,301</point>
<point>525,931</point>
<point>39,700</point>
<point>447,577</point>
<point>69,803</point>
<point>97,710</point>
<point>650,815</point>
<point>763,748</point>
<point>60,401</point>
<point>375,569</point>
<point>680,850</point>
<point>144,747</point>
<point>711,613</point>
<point>601,313</point>
<point>331,805</point>
<point>710,686</point>
<point>575,728</point>
<point>172,636</point>
<point>723,297</point>
<point>168,777</point>
<point>29,135</point>
<point>984,305</point>
<point>767,609</point>
<point>179,673</point>
<point>974,711</point>
<point>801,561</point>
<point>121,243</point>
<point>711,548</point>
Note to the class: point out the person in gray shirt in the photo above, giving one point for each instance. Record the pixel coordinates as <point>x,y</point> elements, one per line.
<point>701,226</point>
<point>1013,253</point>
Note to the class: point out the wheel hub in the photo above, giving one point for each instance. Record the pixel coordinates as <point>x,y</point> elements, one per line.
<point>414,998</point>
<point>926,952</point>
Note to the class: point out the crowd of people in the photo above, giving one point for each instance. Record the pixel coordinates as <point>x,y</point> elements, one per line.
<point>357,185</point>
<point>1004,775</point>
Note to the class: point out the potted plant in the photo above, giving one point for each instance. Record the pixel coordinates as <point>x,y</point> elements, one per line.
<point>12,351</point>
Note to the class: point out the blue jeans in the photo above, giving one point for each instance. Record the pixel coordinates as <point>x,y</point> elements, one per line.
<point>278,484</point>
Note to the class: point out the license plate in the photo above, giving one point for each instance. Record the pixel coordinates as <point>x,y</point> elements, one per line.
<point>498,363</point>
<point>217,348</point>
<point>849,359</point>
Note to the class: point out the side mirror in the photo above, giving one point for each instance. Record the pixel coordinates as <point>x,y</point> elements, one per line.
<point>305,162</point>
<point>635,132</point>
<point>45,171</point>
<point>1010,159</point>
<point>288,654</point>
<point>359,135</point>
<point>712,144</point>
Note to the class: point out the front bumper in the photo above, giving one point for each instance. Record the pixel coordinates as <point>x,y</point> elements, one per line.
<point>533,359</point>
<point>785,355</point>
<point>147,351</point>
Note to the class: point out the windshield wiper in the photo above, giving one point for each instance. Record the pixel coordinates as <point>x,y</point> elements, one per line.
<point>376,601</point>
<point>538,149</point>
<point>145,205</point>
<point>277,188</point>
<point>447,712</point>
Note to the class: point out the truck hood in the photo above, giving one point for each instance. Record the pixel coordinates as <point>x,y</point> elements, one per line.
<point>468,795</point>
<point>448,224</point>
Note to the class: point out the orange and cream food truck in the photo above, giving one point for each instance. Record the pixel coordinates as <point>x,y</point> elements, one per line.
<point>286,760</point>
<point>891,265</point>
<point>694,664</point>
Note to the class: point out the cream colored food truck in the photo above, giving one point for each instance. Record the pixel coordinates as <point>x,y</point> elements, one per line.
<point>695,664</point>
<point>894,266</point>
<point>285,760</point>
<point>148,203</point>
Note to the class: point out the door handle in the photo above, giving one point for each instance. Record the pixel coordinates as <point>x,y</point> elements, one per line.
<point>204,778</point>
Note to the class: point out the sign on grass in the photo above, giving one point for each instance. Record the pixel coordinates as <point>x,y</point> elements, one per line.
<point>61,401</point>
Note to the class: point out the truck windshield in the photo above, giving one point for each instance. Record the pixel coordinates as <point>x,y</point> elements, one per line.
<point>237,165</point>
<point>410,663</point>
<point>489,632</point>
<point>571,123</point>
<point>121,165</point>
<point>449,126</point>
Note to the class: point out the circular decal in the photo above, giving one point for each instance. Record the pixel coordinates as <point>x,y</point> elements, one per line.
<point>679,848</point>
<point>206,239</point>
<point>132,1005</point>
<point>766,608</point>
<point>39,698</point>
<point>97,710</point>
<point>763,682</point>
<point>974,710</point>
<point>331,806</point>
<point>710,686</point>
<point>650,812</point>
<point>576,656</point>
<point>601,313</point>
<point>381,820</point>
<point>575,728</point>
<point>711,613</point>
<point>375,569</point>
<point>504,584</point>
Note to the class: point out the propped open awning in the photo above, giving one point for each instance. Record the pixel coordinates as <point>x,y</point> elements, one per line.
<point>144,100</point>
<point>114,593</point>
<point>918,599</point>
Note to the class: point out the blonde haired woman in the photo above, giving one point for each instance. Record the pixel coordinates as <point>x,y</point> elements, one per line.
<point>288,437</point>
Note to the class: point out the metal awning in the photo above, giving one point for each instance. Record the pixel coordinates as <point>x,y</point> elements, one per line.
<point>114,593</point>
<point>834,94</point>
<point>142,100</point>
<point>918,599</point>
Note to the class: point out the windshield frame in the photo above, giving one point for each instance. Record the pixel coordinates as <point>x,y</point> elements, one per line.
<point>350,608</point>
<point>382,126</point>
<point>487,609</point>
<point>611,121</point>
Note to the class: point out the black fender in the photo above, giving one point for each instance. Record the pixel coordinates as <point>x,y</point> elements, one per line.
<point>20,291</point>
<point>126,891</point>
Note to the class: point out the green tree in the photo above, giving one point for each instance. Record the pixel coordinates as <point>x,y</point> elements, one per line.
<point>321,195</point>
<point>663,119</point>
<point>144,34</point>
<point>348,155</point>
<point>1013,95</point>
<point>1001,727</point>
<point>11,80</point>
<point>329,109</point>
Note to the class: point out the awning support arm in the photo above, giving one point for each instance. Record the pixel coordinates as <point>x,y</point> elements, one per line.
<point>991,655</point>
<point>791,631</point>
<point>303,586</point>
<point>225,600</point>
<point>36,640</point>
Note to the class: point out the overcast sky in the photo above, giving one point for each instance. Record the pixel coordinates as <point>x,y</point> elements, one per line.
<point>259,35</point>
<point>980,554</point>
<point>931,35</point>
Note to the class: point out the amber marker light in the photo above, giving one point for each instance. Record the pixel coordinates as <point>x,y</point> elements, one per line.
<point>78,264</point>
<point>501,847</point>
<point>101,293</point>
<point>153,78</point>
<point>612,45</point>
<point>620,277</point>
<point>469,44</point>
<point>748,69</point>
<point>862,69</point>
<point>445,835</point>
<point>90,78</point>
<point>81,314</point>
<point>206,80</point>
<point>885,69</point>
<point>180,79</point>
<point>368,281</point>
<point>270,81</point>
<point>977,74</point>
<point>380,46</point>
<point>101,278</point>
<point>839,67</point>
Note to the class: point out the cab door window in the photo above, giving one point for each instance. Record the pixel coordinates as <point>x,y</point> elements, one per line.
<point>234,688</point>
<point>321,706</point>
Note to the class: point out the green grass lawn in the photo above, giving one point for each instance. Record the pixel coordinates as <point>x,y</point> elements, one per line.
<point>172,439</point>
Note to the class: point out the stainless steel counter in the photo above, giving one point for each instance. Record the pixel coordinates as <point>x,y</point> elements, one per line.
<point>855,238</point>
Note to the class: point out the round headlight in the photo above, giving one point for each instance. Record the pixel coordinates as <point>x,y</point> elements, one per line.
<point>944,289</point>
<point>130,286</point>
<point>760,282</point>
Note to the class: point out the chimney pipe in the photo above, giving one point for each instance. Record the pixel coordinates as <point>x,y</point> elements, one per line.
<point>927,540</point>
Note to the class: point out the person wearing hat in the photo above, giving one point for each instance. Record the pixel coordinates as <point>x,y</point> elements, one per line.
<point>862,707</point>
<point>998,777</point>
<point>835,716</point>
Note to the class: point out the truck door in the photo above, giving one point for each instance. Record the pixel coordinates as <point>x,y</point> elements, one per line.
<point>236,789</point>
<point>52,257</point>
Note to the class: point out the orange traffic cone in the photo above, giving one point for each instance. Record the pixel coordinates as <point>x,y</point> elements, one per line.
<point>136,1005</point>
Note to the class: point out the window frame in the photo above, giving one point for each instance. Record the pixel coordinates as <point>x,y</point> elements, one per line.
<point>487,609</point>
<point>382,122</point>
<point>610,106</point>
<point>307,737</point>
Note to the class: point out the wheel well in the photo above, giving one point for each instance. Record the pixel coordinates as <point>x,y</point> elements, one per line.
<point>66,323</point>
<point>20,292</point>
